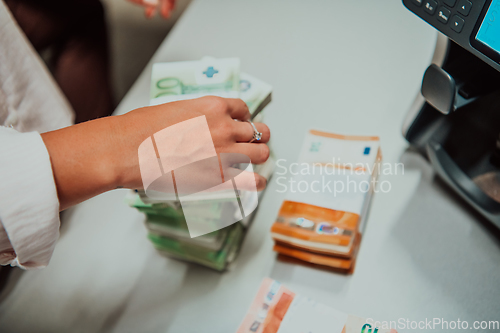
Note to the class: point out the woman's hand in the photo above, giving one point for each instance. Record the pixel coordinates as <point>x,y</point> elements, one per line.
<point>165,7</point>
<point>99,155</point>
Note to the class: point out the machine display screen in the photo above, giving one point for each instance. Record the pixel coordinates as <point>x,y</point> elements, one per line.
<point>489,31</point>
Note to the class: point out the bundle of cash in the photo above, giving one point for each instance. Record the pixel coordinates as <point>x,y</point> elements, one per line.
<point>168,230</point>
<point>165,220</point>
<point>278,309</point>
<point>323,216</point>
<point>175,81</point>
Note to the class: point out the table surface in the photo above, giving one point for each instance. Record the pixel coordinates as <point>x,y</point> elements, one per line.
<point>350,67</point>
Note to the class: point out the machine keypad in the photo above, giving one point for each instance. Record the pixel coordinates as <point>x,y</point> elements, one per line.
<point>450,3</point>
<point>446,12</point>
<point>457,23</point>
<point>464,7</point>
<point>443,15</point>
<point>430,6</point>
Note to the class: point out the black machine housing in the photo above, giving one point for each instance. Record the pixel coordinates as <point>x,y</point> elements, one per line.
<point>455,119</point>
<point>472,18</point>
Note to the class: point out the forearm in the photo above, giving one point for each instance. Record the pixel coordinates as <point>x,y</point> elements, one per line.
<point>100,155</point>
<point>83,159</point>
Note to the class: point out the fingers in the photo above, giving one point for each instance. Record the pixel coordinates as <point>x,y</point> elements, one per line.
<point>237,109</point>
<point>151,6</point>
<point>260,181</point>
<point>244,132</point>
<point>172,4</point>
<point>258,153</point>
<point>245,180</point>
<point>139,2</point>
<point>166,7</point>
<point>248,181</point>
<point>149,11</point>
<point>229,159</point>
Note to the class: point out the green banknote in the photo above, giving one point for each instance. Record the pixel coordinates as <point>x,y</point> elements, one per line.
<point>174,81</point>
<point>166,220</point>
<point>217,260</point>
<point>256,93</point>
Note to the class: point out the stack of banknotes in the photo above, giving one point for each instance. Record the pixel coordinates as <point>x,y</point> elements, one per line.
<point>322,218</point>
<point>277,309</point>
<point>165,220</point>
<point>175,81</point>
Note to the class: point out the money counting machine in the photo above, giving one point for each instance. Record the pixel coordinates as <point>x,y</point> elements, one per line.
<point>455,118</point>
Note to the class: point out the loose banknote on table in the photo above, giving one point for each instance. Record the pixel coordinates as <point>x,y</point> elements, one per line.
<point>276,309</point>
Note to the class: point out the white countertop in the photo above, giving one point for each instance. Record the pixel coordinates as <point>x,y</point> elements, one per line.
<point>350,67</point>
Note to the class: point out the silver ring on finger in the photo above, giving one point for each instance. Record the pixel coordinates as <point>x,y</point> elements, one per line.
<point>257,136</point>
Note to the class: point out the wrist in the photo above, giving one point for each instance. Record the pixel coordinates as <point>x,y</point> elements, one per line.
<point>122,163</point>
<point>82,160</point>
<point>109,151</point>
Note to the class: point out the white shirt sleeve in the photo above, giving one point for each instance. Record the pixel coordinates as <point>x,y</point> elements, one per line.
<point>29,206</point>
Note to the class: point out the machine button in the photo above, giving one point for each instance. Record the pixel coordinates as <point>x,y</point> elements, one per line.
<point>450,3</point>
<point>443,15</point>
<point>430,6</point>
<point>464,7</point>
<point>417,2</point>
<point>457,23</point>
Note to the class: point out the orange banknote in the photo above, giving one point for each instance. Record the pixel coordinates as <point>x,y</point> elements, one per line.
<point>276,309</point>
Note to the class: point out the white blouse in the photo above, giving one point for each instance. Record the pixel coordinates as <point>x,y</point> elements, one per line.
<point>29,208</point>
<point>30,103</point>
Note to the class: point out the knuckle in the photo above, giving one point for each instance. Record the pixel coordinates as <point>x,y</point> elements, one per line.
<point>244,105</point>
<point>227,128</point>
<point>217,104</point>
